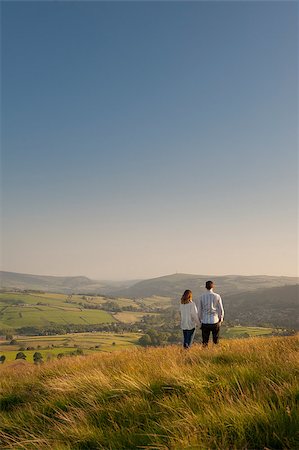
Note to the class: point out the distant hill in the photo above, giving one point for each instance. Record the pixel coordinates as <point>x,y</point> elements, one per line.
<point>166,286</point>
<point>174,285</point>
<point>79,284</point>
<point>277,306</point>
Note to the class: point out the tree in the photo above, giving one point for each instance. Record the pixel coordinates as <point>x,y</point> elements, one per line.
<point>37,358</point>
<point>145,340</point>
<point>20,355</point>
<point>111,306</point>
<point>174,338</point>
<point>154,336</point>
<point>2,359</point>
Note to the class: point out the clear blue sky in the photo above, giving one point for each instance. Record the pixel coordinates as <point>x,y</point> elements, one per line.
<point>144,138</point>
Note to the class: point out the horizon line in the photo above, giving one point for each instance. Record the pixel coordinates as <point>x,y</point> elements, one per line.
<point>149,277</point>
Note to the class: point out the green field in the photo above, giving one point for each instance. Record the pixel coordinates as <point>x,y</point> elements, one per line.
<point>20,310</point>
<point>242,394</point>
<point>239,331</point>
<point>47,309</point>
<point>14,316</point>
<point>156,301</point>
<point>52,345</point>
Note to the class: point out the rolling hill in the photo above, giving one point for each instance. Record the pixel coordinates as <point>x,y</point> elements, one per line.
<point>277,306</point>
<point>166,286</point>
<point>78,284</point>
<point>174,285</point>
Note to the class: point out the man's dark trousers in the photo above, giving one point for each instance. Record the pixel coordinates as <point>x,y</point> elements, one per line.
<point>206,329</point>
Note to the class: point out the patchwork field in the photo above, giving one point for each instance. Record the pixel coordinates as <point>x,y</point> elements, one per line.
<point>46,309</point>
<point>52,345</point>
<point>20,310</point>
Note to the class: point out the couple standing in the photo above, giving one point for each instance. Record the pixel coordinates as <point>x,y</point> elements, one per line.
<point>207,312</point>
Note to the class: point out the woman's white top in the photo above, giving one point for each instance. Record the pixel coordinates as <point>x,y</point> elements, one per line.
<point>189,316</point>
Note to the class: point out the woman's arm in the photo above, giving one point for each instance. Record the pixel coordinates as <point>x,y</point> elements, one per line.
<point>194,314</point>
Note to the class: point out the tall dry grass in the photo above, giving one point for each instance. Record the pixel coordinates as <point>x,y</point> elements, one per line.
<point>242,394</point>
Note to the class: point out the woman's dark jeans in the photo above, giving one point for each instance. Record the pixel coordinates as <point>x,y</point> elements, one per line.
<point>188,337</point>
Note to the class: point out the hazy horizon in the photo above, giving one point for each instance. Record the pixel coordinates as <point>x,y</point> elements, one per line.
<point>208,276</point>
<point>146,138</point>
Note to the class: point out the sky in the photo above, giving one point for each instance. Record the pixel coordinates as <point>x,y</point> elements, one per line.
<point>141,139</point>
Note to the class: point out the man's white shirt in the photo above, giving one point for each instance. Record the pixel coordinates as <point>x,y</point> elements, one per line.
<point>210,308</point>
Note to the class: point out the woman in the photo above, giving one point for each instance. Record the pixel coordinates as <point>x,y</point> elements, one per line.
<point>189,318</point>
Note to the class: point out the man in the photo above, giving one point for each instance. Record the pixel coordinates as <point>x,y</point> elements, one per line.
<point>210,313</point>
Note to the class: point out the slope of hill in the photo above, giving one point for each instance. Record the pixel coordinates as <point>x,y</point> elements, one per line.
<point>12,280</point>
<point>174,285</point>
<point>277,306</point>
<point>239,395</point>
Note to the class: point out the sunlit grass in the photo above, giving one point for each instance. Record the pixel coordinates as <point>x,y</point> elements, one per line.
<point>242,394</point>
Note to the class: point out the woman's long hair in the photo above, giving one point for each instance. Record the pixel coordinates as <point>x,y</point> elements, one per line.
<point>186,297</point>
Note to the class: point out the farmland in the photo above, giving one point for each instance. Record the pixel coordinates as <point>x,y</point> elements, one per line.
<point>41,310</point>
<point>239,331</point>
<point>19,310</point>
<point>51,346</point>
<point>56,323</point>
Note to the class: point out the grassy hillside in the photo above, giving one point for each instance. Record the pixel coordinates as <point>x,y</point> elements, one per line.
<point>242,394</point>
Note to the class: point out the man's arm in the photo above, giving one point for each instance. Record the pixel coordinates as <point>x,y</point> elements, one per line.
<point>199,309</point>
<point>220,309</point>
